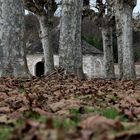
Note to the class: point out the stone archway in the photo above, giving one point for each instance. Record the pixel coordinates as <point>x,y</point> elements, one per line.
<point>98,68</point>
<point>39,68</point>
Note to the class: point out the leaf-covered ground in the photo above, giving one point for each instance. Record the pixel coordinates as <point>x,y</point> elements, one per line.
<point>62,107</point>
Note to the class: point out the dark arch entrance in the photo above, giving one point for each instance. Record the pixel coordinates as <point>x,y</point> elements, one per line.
<point>39,68</point>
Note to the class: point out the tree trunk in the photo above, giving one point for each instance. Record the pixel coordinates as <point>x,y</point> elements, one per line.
<point>120,40</point>
<point>70,52</point>
<point>78,46</point>
<point>123,15</point>
<point>46,39</point>
<point>12,38</point>
<point>1,45</point>
<point>67,35</point>
<point>128,58</point>
<point>108,53</point>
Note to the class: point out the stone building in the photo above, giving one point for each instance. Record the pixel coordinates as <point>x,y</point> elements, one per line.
<point>92,60</point>
<point>92,57</point>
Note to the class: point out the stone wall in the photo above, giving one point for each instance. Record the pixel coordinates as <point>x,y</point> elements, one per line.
<point>92,65</point>
<point>137,66</point>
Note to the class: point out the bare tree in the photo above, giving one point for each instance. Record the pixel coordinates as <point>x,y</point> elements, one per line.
<point>123,13</point>
<point>70,51</point>
<point>12,39</point>
<point>44,10</point>
<point>105,21</point>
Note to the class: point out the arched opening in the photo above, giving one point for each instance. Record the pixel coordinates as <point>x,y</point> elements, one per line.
<point>98,68</point>
<point>39,69</point>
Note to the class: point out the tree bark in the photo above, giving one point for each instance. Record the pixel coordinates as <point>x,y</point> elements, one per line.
<point>118,19</point>
<point>78,46</point>
<point>70,51</point>
<point>44,11</point>
<point>105,21</point>
<point>12,38</point>
<point>1,45</point>
<point>108,52</point>
<point>123,15</point>
<point>128,58</point>
<point>46,39</point>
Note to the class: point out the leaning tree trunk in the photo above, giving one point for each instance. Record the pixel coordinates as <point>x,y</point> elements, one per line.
<point>12,37</point>
<point>108,52</point>
<point>128,58</point>
<point>70,55</point>
<point>46,39</point>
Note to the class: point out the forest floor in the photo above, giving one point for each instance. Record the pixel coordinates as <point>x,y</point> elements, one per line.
<point>62,107</point>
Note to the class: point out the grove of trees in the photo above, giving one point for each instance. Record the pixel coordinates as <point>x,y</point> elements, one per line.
<point>109,15</point>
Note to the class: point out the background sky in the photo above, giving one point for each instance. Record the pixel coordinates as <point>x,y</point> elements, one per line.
<point>137,8</point>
